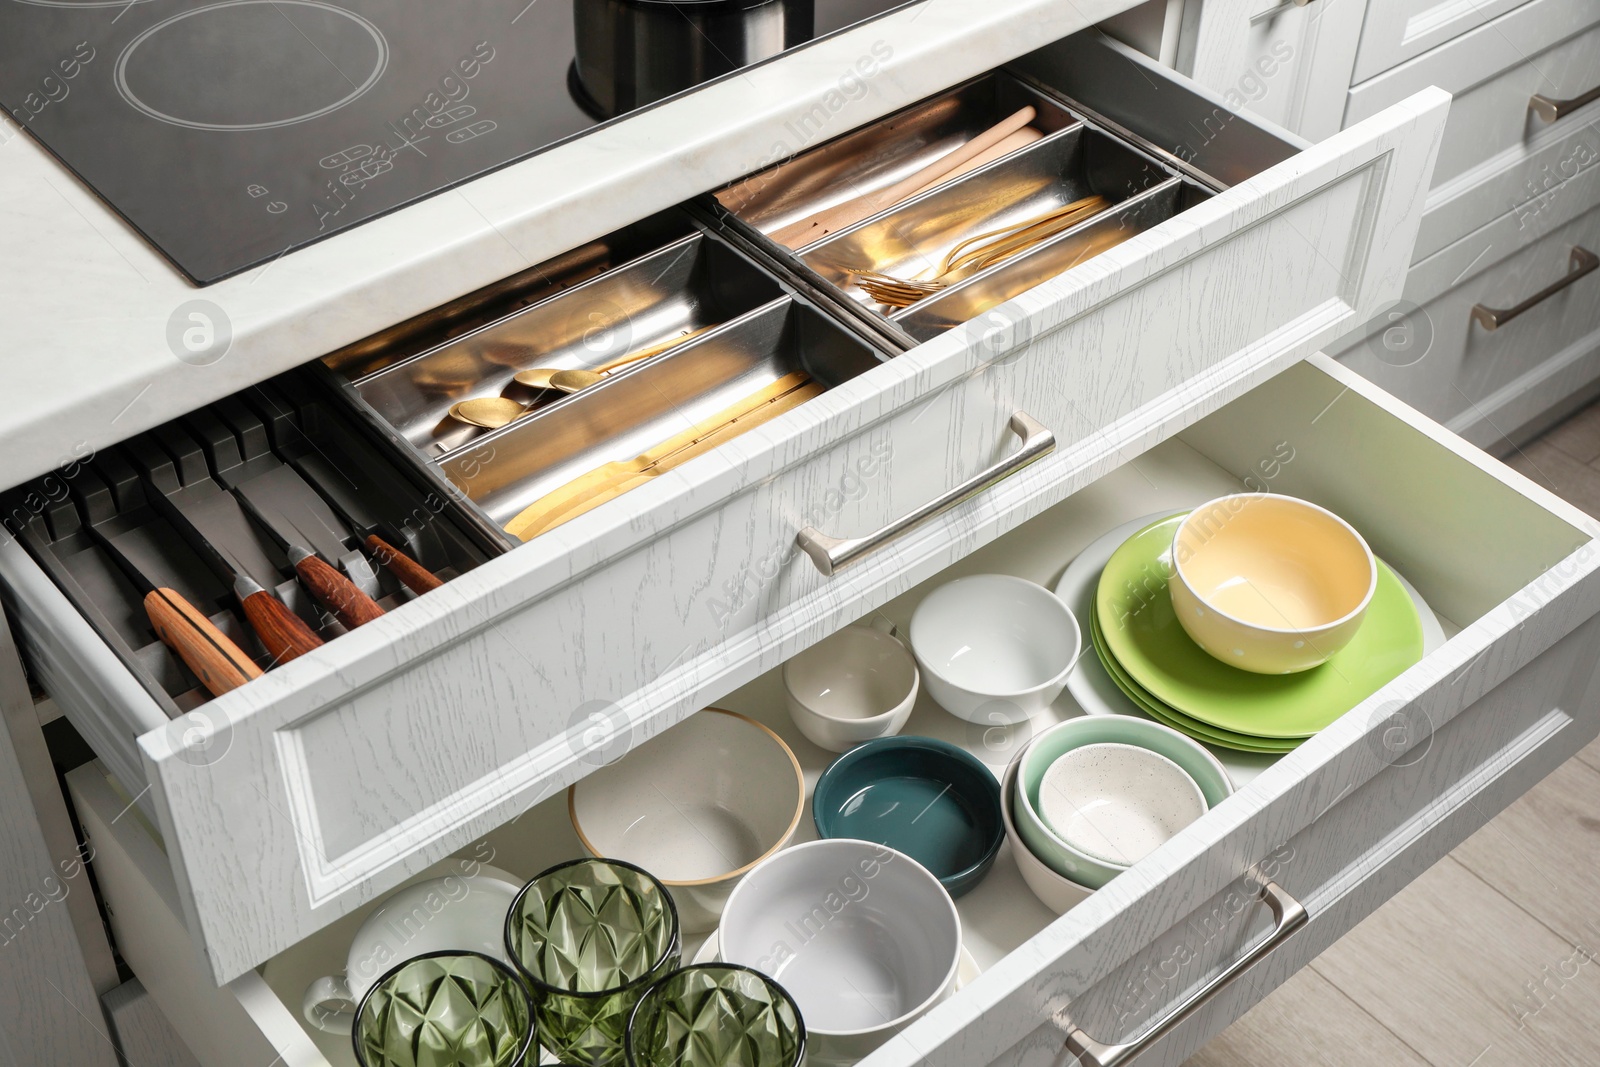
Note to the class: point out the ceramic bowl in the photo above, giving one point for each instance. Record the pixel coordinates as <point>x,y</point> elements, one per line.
<point>1053,743</point>
<point>994,649</point>
<point>1057,892</point>
<point>697,806</point>
<point>863,937</point>
<point>1117,803</point>
<point>854,686</point>
<point>937,803</point>
<point>1269,583</point>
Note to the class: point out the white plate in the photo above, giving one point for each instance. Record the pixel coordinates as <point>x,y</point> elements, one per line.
<point>1094,691</point>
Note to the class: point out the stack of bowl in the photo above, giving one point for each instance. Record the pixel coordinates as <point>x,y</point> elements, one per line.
<point>1090,797</point>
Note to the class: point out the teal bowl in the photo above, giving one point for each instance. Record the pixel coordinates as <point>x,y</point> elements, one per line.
<point>937,803</point>
<point>1049,746</point>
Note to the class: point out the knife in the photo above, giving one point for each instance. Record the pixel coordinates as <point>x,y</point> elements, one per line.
<point>325,582</point>
<point>319,474</point>
<point>285,634</point>
<point>220,664</point>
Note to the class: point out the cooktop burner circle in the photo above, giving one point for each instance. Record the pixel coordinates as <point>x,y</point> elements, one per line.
<point>248,65</point>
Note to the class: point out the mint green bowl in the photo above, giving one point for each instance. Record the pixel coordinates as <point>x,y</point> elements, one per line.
<point>1049,746</point>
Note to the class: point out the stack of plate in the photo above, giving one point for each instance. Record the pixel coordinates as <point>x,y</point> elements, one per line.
<point>1144,656</point>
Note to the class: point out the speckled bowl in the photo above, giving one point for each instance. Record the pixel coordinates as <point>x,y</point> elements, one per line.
<point>1117,803</point>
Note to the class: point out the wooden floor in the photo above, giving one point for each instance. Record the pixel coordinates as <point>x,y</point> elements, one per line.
<point>1491,958</point>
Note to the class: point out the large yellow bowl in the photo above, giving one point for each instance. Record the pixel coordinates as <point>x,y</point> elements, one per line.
<point>1269,583</point>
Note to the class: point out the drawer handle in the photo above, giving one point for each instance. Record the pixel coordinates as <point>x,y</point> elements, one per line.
<point>1583,262</point>
<point>1288,916</point>
<point>833,553</point>
<point>1550,110</point>
<point>1274,12</point>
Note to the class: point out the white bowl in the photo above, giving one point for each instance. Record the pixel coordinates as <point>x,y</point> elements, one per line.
<point>1117,803</point>
<point>697,806</point>
<point>1057,892</point>
<point>993,648</point>
<point>863,937</point>
<point>855,686</point>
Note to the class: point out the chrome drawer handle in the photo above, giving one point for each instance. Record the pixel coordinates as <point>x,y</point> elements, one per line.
<point>1274,12</point>
<point>1288,916</point>
<point>833,553</point>
<point>1582,262</point>
<point>1550,110</point>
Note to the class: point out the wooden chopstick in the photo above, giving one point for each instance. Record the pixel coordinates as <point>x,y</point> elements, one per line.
<point>611,480</point>
<point>799,234</point>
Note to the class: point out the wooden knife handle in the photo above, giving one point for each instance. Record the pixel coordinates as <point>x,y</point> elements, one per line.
<point>338,593</point>
<point>412,574</point>
<point>220,664</point>
<point>285,634</point>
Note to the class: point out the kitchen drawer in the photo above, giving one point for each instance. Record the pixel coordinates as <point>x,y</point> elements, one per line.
<point>1397,30</point>
<point>1340,824</point>
<point>294,800</point>
<point>1495,143</point>
<point>1486,384</point>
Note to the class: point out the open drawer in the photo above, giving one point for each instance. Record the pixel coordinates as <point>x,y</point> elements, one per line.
<point>298,798</point>
<point>1338,825</point>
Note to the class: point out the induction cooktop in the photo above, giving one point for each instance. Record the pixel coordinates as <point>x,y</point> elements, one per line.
<point>230,133</point>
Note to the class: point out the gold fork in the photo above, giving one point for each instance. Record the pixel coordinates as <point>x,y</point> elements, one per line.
<point>977,252</point>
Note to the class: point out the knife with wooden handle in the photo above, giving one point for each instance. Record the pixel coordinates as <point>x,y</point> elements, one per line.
<point>829,220</point>
<point>331,588</point>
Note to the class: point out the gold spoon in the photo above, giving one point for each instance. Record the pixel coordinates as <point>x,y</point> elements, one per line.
<point>570,381</point>
<point>489,412</point>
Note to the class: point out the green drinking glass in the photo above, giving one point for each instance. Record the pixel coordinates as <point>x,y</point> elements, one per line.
<point>446,1009</point>
<point>589,937</point>
<point>716,1015</point>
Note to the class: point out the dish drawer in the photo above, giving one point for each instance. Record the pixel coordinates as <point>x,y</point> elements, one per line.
<point>1488,383</point>
<point>297,798</point>
<point>1339,825</point>
<point>1503,145</point>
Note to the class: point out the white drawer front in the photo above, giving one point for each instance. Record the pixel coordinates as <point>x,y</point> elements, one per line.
<point>1480,381</point>
<point>290,802</point>
<point>1397,30</point>
<point>1493,141</point>
<point>1340,824</point>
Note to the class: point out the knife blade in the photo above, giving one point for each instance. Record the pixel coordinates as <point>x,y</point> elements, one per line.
<point>319,474</point>
<point>210,654</point>
<point>285,634</point>
<point>335,591</point>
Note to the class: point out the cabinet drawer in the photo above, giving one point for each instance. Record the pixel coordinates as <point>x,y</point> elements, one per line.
<point>294,800</point>
<point>1486,384</point>
<point>1340,824</point>
<point>1397,30</point>
<point>1495,142</point>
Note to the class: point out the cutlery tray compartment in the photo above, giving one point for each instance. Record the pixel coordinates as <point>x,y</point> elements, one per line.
<point>1077,157</point>
<point>289,448</point>
<point>638,409</point>
<point>688,284</point>
<point>883,153</point>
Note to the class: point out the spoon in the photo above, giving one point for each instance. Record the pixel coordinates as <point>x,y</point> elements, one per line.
<point>570,381</point>
<point>489,412</point>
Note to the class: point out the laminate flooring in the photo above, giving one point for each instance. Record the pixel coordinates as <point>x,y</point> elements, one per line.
<point>1492,957</point>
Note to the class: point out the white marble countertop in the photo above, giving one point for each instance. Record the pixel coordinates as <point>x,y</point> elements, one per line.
<point>86,305</point>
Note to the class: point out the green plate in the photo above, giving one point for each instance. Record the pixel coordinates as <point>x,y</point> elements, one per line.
<point>1152,707</point>
<point>1142,633</point>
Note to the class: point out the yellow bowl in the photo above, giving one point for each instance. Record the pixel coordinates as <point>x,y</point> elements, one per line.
<point>1269,583</point>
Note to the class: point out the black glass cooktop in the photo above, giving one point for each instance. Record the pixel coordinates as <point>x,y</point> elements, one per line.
<point>229,133</point>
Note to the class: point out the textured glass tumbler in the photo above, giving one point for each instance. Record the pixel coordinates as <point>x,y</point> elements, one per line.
<point>716,1015</point>
<point>590,937</point>
<point>446,1009</point>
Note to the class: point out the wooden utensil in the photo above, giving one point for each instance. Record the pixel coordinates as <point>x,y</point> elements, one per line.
<point>613,479</point>
<point>804,232</point>
<point>332,590</point>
